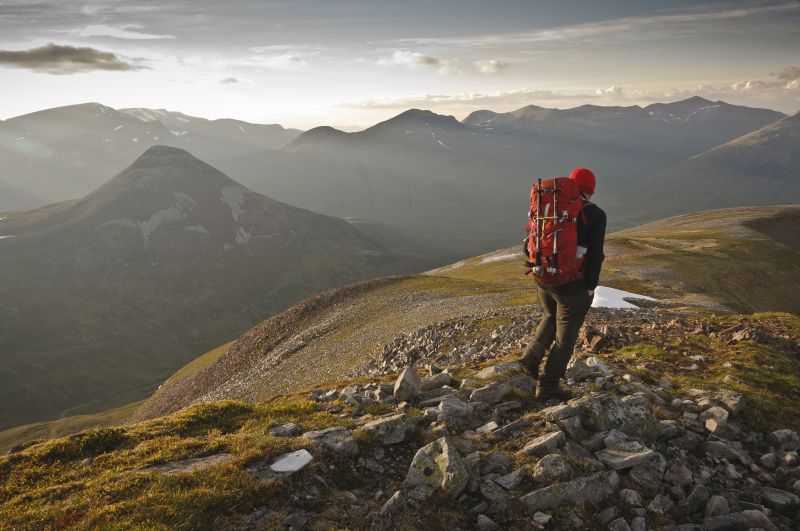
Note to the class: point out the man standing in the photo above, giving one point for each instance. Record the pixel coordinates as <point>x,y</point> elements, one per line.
<point>565,306</point>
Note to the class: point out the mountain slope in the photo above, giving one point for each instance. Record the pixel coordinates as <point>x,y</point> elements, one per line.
<point>105,296</point>
<point>680,418</point>
<point>707,260</point>
<point>465,184</point>
<point>65,152</point>
<point>758,168</point>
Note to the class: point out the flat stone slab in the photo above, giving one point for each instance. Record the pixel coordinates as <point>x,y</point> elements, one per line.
<point>336,438</point>
<point>624,456</point>
<point>545,442</point>
<point>189,465</point>
<point>498,370</point>
<point>559,412</point>
<point>291,462</point>
<point>591,489</point>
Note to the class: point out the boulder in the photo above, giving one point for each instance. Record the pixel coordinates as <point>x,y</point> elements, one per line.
<point>337,438</point>
<point>540,445</point>
<point>552,468</point>
<point>512,480</point>
<point>784,439</point>
<point>484,523</point>
<point>495,496</point>
<point>743,520</point>
<point>660,505</point>
<point>438,466</point>
<point>394,504</point>
<point>523,383</point>
<point>435,381</point>
<point>390,430</point>
<point>646,477</point>
<point>559,412</point>
<point>592,489</point>
<point>288,429</point>
<point>291,462</point>
<point>625,455</point>
<point>631,415</point>
<point>579,371</point>
<point>779,500</point>
<point>453,410</point>
<point>407,385</point>
<point>490,394</point>
<point>716,506</point>
<point>500,369</point>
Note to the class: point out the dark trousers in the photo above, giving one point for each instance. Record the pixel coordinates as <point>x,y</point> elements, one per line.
<point>565,308</point>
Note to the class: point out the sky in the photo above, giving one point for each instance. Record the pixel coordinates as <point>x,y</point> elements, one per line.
<point>353,63</point>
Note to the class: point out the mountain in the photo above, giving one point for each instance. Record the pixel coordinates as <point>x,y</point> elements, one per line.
<point>723,261</point>
<point>399,403</point>
<point>215,139</point>
<point>103,297</point>
<point>65,152</point>
<point>761,167</point>
<point>466,184</point>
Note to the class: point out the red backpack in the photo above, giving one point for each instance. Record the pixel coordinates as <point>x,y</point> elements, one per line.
<point>552,241</point>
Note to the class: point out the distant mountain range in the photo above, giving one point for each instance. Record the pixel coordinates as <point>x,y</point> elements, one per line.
<point>101,298</point>
<point>65,152</point>
<point>466,183</point>
<point>762,167</point>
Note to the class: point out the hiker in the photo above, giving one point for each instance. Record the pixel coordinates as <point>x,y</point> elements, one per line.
<point>575,229</point>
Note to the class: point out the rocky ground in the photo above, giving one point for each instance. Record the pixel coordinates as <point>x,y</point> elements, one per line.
<point>629,454</point>
<point>457,441</point>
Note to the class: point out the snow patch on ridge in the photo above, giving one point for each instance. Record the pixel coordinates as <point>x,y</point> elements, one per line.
<point>233,196</point>
<point>605,297</point>
<point>500,257</point>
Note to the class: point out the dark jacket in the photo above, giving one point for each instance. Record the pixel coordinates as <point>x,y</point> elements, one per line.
<point>592,236</point>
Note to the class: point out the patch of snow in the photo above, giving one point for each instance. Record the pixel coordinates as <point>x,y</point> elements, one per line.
<point>183,204</point>
<point>117,128</point>
<point>178,133</point>
<point>234,197</point>
<point>196,228</point>
<point>20,138</point>
<point>135,139</point>
<point>182,119</point>
<point>605,297</point>
<point>155,138</point>
<point>243,235</point>
<point>242,129</point>
<point>3,218</point>
<point>499,258</point>
<point>6,236</point>
<point>107,140</point>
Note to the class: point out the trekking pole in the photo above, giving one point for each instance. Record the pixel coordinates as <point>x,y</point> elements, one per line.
<point>536,267</point>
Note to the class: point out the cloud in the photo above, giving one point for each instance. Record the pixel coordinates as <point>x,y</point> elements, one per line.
<point>125,32</point>
<point>229,81</point>
<point>491,66</point>
<point>614,91</point>
<point>57,59</point>
<point>695,21</point>
<point>286,61</point>
<point>411,59</point>
<point>790,73</point>
<point>472,99</point>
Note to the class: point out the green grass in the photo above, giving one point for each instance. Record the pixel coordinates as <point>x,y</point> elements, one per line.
<point>770,376</point>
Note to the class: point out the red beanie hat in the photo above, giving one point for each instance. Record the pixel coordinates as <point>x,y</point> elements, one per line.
<point>585,179</point>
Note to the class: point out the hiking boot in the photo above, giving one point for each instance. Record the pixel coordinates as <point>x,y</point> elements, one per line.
<point>552,393</point>
<point>531,367</point>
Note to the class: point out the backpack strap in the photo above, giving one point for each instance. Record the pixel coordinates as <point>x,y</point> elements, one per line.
<point>583,214</point>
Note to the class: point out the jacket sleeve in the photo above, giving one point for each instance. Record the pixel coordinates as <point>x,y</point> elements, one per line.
<point>594,250</point>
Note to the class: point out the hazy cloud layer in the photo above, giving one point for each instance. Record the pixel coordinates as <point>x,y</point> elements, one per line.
<point>57,59</point>
<point>491,66</point>
<point>790,73</point>
<point>412,59</point>
<point>127,32</point>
